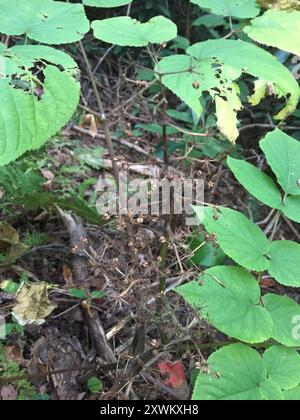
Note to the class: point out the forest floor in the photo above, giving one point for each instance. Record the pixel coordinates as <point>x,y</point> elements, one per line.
<point>140,339</point>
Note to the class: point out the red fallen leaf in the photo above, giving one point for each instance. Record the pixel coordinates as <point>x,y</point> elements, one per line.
<point>174,374</point>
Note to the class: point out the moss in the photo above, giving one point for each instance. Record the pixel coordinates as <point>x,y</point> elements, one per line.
<point>8,368</point>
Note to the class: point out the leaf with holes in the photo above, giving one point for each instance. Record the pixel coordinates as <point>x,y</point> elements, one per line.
<point>212,66</point>
<point>36,105</point>
<point>47,21</point>
<point>242,57</point>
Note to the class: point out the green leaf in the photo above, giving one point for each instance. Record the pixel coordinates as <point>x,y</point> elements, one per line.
<point>238,57</point>
<point>277,28</point>
<point>283,155</point>
<point>292,208</point>
<point>47,21</point>
<point>97,294</point>
<point>229,298</point>
<point>94,385</point>
<point>205,253</point>
<point>212,66</point>
<point>285,313</point>
<point>179,74</point>
<point>256,182</point>
<point>78,293</point>
<point>125,31</point>
<point>285,262</point>
<point>293,394</point>
<point>238,8</point>
<point>236,373</point>
<point>34,109</point>
<point>283,366</point>
<point>9,286</point>
<point>238,237</point>
<point>106,3</point>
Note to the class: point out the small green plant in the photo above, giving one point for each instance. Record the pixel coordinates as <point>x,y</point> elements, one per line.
<point>230,298</point>
<point>25,389</point>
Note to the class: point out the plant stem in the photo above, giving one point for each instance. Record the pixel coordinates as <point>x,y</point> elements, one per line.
<point>104,121</point>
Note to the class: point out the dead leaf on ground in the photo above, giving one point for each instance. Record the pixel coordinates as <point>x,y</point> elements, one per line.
<point>89,122</point>
<point>33,304</point>
<point>174,374</point>
<point>10,244</point>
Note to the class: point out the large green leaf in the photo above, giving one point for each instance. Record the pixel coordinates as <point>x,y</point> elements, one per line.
<point>285,313</point>
<point>256,182</point>
<point>242,57</point>
<point>212,66</point>
<point>36,105</point>
<point>283,155</point>
<point>47,21</point>
<point>285,262</point>
<point>188,78</point>
<point>229,298</point>
<point>239,238</point>
<point>277,28</point>
<point>236,373</point>
<point>283,366</point>
<point>237,8</point>
<point>125,31</point>
<point>106,3</point>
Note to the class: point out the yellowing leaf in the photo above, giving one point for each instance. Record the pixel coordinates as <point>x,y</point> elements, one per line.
<point>33,304</point>
<point>260,92</point>
<point>226,110</point>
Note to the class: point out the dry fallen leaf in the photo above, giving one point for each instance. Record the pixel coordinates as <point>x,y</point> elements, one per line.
<point>33,304</point>
<point>10,244</point>
<point>174,373</point>
<point>90,123</point>
<point>68,276</point>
